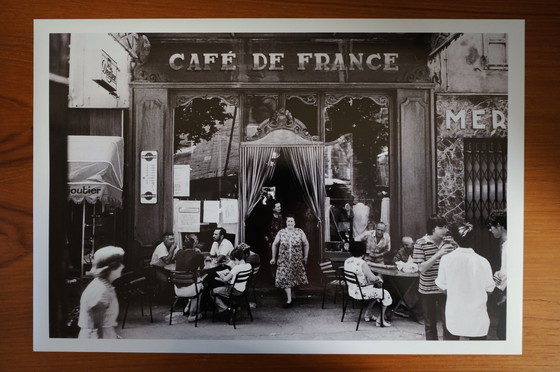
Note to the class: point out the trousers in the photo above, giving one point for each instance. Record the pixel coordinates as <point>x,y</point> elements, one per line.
<point>432,305</point>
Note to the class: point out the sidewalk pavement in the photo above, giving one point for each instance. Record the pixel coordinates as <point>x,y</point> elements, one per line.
<point>305,320</point>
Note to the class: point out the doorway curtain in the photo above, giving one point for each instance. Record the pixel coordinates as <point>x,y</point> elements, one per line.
<point>258,165</point>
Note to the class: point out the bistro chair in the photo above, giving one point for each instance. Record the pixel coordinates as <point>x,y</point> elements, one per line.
<point>131,286</point>
<point>351,278</point>
<point>330,278</point>
<point>233,302</point>
<point>183,279</point>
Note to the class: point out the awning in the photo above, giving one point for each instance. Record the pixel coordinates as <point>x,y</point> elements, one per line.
<point>95,169</point>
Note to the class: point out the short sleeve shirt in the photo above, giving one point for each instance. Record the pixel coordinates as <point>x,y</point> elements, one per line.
<point>424,249</point>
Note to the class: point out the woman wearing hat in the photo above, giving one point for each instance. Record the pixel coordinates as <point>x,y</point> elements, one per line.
<point>99,306</point>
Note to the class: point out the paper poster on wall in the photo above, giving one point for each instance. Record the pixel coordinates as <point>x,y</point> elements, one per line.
<point>187,215</point>
<point>230,210</point>
<point>211,211</point>
<point>181,180</point>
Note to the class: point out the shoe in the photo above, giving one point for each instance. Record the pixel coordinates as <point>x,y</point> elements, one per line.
<point>193,318</point>
<point>370,318</point>
<point>385,323</point>
<point>287,305</point>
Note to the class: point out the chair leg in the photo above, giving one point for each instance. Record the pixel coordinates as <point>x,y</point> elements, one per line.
<point>151,316</point>
<point>249,309</point>
<point>171,310</point>
<point>344,304</point>
<point>324,293</point>
<point>360,316</point>
<point>125,312</point>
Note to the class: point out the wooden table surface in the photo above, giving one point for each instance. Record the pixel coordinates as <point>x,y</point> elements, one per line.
<point>541,318</point>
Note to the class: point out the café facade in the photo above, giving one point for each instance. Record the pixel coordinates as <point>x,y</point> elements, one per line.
<point>208,130</point>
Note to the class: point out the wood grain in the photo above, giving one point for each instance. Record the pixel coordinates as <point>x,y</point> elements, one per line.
<point>542,180</point>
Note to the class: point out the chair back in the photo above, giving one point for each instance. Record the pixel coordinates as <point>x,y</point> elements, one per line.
<point>327,269</point>
<point>182,278</point>
<point>350,278</point>
<point>242,277</point>
<point>256,270</point>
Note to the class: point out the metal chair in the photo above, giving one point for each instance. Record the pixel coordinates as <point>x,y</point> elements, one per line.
<point>329,277</point>
<point>350,278</point>
<point>234,301</point>
<point>131,286</point>
<point>183,279</point>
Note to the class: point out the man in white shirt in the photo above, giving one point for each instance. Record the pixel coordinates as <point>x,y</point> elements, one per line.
<point>466,278</point>
<point>165,252</point>
<point>221,246</point>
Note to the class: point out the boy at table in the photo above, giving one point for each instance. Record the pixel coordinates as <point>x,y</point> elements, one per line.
<point>228,278</point>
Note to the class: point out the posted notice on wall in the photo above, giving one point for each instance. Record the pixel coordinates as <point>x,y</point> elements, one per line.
<point>230,210</point>
<point>181,180</point>
<point>187,215</point>
<point>211,212</point>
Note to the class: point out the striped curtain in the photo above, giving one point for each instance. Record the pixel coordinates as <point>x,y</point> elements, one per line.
<point>307,168</point>
<point>258,168</point>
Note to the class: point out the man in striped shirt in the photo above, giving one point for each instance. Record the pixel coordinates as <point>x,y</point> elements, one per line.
<point>427,253</point>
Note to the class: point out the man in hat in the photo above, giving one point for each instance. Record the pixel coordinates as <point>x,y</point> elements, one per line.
<point>99,307</point>
<point>250,257</point>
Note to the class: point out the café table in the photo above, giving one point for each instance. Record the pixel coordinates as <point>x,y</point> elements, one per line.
<point>392,274</point>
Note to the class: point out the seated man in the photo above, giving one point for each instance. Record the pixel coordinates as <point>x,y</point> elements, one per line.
<point>378,243</point>
<point>405,251</point>
<point>228,278</point>
<point>221,246</point>
<point>164,253</point>
<point>191,260</point>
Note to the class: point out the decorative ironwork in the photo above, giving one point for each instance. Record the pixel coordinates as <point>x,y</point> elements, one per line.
<point>310,99</point>
<point>283,119</point>
<point>333,99</point>
<point>182,100</point>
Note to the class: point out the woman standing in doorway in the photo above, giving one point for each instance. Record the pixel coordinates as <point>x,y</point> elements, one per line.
<point>290,250</point>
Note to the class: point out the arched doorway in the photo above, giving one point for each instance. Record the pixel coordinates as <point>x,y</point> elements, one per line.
<point>290,163</point>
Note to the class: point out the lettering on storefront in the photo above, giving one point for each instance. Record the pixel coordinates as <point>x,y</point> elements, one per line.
<point>471,115</point>
<point>478,121</point>
<point>276,61</point>
<point>107,75</point>
<point>84,190</point>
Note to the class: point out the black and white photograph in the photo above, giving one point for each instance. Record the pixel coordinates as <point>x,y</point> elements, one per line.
<point>278,186</point>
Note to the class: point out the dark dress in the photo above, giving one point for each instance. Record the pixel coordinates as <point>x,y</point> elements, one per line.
<point>290,271</point>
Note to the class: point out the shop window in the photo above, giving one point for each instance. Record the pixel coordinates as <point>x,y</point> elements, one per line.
<point>265,108</point>
<point>206,147</point>
<point>304,108</point>
<point>356,166</point>
<point>205,166</point>
<point>260,108</point>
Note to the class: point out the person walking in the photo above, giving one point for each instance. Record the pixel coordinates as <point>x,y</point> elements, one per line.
<point>290,250</point>
<point>99,306</point>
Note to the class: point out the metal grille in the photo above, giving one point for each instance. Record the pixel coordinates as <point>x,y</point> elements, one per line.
<point>485,188</point>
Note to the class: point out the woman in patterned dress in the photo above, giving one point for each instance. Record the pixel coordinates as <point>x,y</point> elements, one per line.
<point>366,278</point>
<point>292,248</point>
